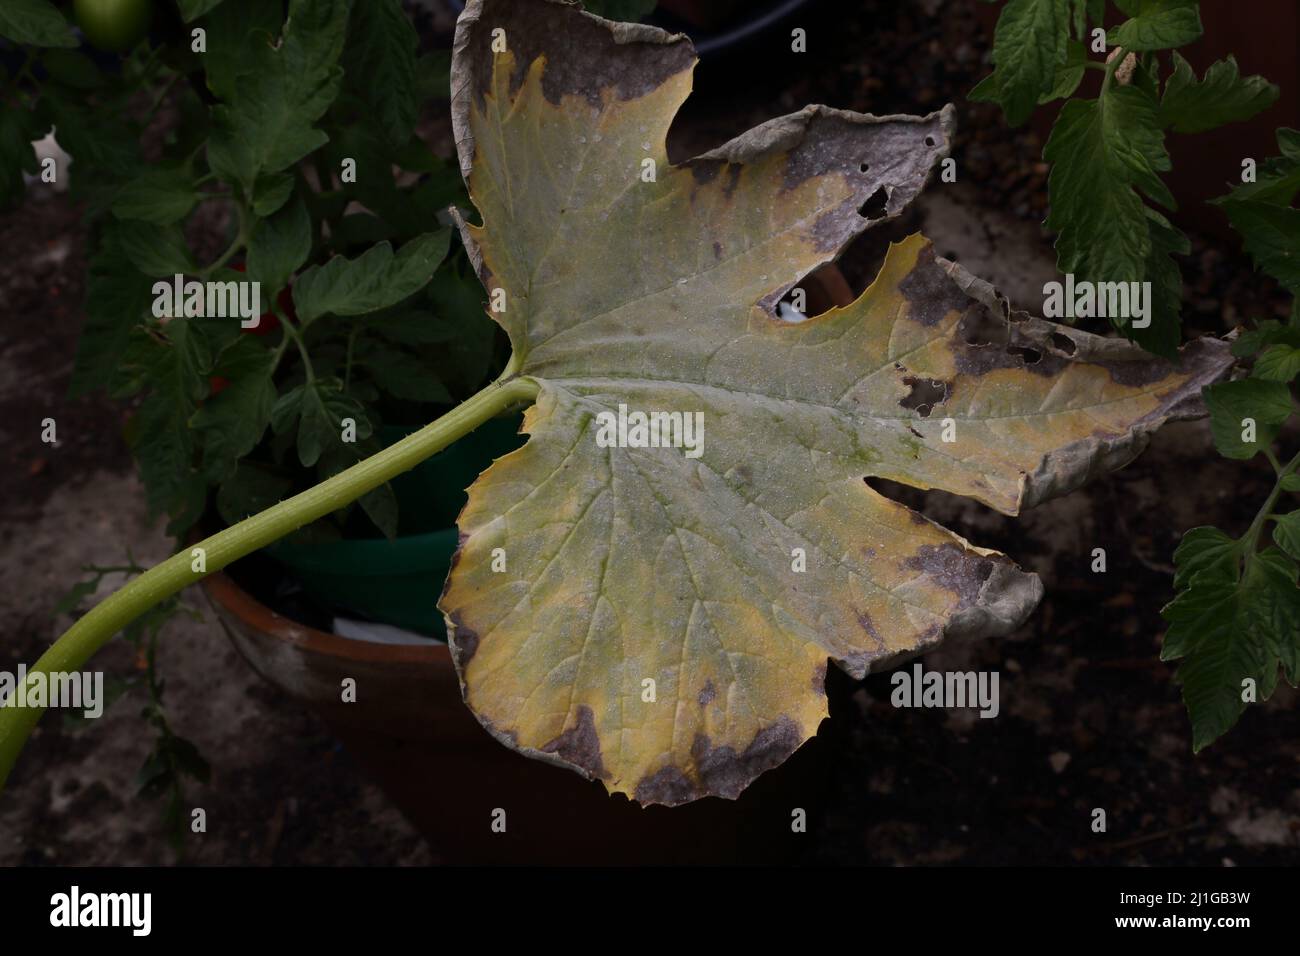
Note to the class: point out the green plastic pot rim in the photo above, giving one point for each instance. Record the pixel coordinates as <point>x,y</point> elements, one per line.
<point>379,557</point>
<point>222,590</point>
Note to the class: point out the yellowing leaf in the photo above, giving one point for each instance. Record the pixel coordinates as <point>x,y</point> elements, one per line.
<point>644,620</point>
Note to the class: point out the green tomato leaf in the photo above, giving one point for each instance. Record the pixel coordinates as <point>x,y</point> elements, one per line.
<point>279,246</point>
<point>374,280</point>
<point>1272,237</point>
<point>321,409</point>
<point>97,140</point>
<point>1286,532</point>
<point>1030,45</point>
<point>1104,154</point>
<point>17,130</point>
<point>230,424</point>
<point>1244,408</point>
<point>465,361</point>
<point>1275,612</point>
<point>1277,179</point>
<point>160,195</point>
<point>1279,363</point>
<point>1103,151</point>
<point>1205,552</point>
<point>1232,636</point>
<point>1223,96</point>
<point>1067,78</point>
<point>1164,334</point>
<point>239,31</point>
<point>35,23</point>
<point>358,229</point>
<point>1079,18</point>
<point>1156,24</point>
<point>1205,629</point>
<point>72,598</point>
<point>379,64</point>
<point>72,68</point>
<point>271,192</point>
<point>401,374</point>
<point>1291,482</point>
<point>268,124</point>
<point>252,488</point>
<point>175,361</point>
<point>1269,332</point>
<point>159,252</point>
<point>458,327</point>
<point>1068,75</point>
<point>118,301</point>
<point>409,326</point>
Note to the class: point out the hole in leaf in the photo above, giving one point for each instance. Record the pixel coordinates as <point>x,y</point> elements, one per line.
<point>929,141</point>
<point>925,394</point>
<point>1063,342</point>
<point>875,205</point>
<point>864,167</point>
<point>793,306</point>
<point>1027,355</point>
<point>815,294</point>
<point>933,504</point>
<point>980,327</point>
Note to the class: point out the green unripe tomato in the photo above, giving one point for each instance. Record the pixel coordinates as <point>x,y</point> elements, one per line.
<point>113,25</point>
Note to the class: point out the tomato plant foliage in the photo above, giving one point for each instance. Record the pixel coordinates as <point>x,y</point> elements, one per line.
<point>296,146</point>
<point>1108,203</point>
<point>1235,622</point>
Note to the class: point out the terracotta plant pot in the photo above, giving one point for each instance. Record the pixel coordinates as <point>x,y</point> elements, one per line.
<point>412,732</point>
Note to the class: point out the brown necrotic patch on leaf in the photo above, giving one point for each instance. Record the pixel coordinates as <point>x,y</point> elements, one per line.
<point>668,787</point>
<point>580,745</point>
<point>1201,363</point>
<point>599,57</point>
<point>460,548</point>
<point>463,642</point>
<point>980,360</point>
<point>1064,343</point>
<point>820,143</point>
<point>924,394</point>
<point>819,681</point>
<point>954,569</point>
<point>865,622</point>
<point>725,773</point>
<point>841,142</point>
<point>720,770</point>
<point>707,693</point>
<point>931,295</point>
<point>706,171</point>
<point>1137,374</point>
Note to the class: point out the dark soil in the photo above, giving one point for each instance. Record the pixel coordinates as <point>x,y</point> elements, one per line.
<point>1091,719</point>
